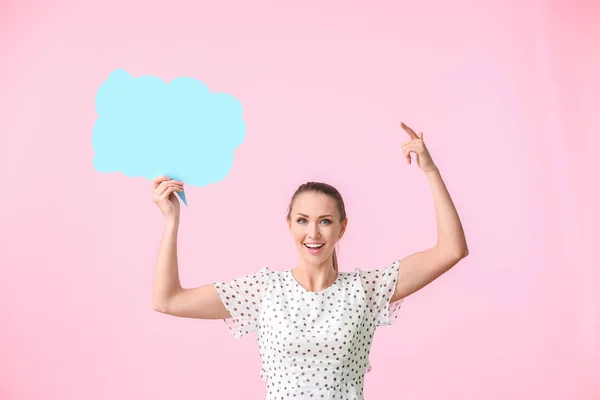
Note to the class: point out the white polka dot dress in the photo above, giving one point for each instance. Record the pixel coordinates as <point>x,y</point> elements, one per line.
<point>313,345</point>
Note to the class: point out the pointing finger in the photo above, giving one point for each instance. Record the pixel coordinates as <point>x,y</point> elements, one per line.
<point>408,130</point>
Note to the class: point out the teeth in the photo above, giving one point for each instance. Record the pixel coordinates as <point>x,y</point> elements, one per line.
<point>314,246</point>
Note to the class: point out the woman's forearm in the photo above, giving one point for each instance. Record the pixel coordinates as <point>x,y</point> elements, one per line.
<point>166,275</point>
<point>450,235</point>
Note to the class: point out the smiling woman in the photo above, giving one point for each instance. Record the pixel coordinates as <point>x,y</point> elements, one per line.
<point>314,246</point>
<point>314,323</point>
<point>317,221</point>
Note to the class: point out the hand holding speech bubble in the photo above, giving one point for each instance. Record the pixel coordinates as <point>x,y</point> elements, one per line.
<point>148,128</point>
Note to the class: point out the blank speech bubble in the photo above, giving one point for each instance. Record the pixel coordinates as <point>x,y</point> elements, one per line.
<point>149,128</point>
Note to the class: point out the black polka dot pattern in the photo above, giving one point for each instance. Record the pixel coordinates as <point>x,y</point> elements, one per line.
<point>313,345</point>
<point>243,299</point>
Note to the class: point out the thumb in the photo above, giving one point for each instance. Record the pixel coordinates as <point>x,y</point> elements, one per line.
<point>421,135</point>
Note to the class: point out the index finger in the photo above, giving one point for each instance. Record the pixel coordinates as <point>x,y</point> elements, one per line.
<point>159,179</point>
<point>410,132</point>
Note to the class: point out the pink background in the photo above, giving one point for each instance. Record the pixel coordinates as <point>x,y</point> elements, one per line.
<point>505,92</point>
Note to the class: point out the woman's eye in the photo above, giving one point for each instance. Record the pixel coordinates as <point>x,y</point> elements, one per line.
<point>303,220</point>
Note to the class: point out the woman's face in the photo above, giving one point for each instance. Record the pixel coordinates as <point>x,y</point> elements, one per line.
<point>315,227</point>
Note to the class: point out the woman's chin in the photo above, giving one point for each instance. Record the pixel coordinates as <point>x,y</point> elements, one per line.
<point>314,259</point>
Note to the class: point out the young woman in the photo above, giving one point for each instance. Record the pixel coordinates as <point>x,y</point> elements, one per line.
<point>314,323</point>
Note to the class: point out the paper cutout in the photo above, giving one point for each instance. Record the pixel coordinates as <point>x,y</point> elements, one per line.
<point>149,128</point>
<point>182,196</point>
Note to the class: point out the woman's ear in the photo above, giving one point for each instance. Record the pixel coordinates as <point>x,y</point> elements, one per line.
<point>344,224</point>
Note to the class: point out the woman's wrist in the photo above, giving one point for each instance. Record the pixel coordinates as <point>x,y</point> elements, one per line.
<point>172,221</point>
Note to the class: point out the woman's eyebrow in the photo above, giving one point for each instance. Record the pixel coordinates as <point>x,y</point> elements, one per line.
<point>322,216</point>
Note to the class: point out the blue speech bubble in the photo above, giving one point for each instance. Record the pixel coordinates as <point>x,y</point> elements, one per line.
<point>148,128</point>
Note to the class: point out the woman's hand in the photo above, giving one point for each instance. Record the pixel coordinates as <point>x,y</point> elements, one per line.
<point>417,146</point>
<point>164,195</point>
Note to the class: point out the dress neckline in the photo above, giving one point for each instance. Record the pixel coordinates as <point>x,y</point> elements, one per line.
<point>303,290</point>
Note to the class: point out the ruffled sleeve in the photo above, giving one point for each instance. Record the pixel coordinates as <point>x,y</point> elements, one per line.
<point>242,297</point>
<point>380,285</point>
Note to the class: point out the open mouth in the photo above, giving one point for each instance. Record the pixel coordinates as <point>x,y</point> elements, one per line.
<point>314,246</point>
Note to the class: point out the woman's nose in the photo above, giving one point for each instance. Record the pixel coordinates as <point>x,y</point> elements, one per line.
<point>314,232</point>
